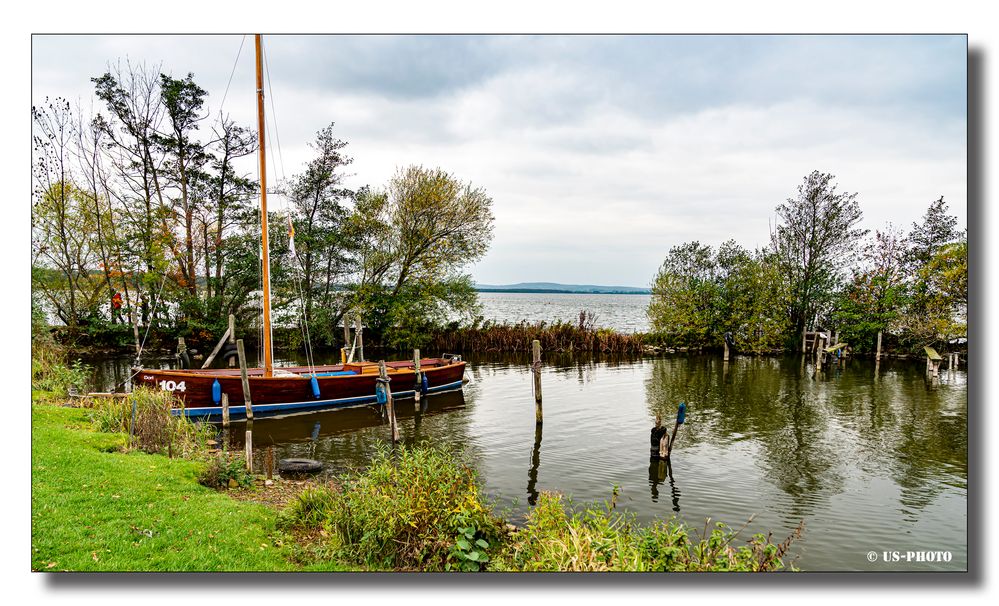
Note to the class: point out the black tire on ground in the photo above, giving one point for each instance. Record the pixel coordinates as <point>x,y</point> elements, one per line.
<point>299,466</point>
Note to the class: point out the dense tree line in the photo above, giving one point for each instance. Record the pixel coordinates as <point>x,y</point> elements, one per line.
<point>144,214</point>
<point>820,271</point>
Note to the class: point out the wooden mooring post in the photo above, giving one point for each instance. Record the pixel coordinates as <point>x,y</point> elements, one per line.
<point>419,380</point>
<point>249,449</point>
<point>536,369</point>
<point>225,411</point>
<point>877,355</point>
<point>241,352</point>
<point>725,356</point>
<point>389,405</point>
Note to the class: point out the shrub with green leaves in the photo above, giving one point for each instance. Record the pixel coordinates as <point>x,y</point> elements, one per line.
<point>415,508</point>
<point>224,470</point>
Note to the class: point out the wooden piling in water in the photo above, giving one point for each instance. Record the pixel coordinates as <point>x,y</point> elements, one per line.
<point>241,352</point>
<point>419,383</point>
<point>249,450</point>
<point>725,357</point>
<point>389,405</point>
<point>877,356</point>
<point>804,340</point>
<point>536,368</point>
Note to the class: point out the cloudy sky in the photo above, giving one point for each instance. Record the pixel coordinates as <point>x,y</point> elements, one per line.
<point>600,152</point>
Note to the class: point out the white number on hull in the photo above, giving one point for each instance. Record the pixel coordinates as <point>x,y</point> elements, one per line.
<point>173,386</point>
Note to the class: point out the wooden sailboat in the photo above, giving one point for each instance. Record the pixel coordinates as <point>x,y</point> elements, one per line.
<point>294,389</point>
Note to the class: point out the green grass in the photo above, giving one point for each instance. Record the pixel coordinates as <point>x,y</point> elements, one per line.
<point>97,509</point>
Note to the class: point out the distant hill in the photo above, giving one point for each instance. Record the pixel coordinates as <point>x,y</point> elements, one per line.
<point>555,287</point>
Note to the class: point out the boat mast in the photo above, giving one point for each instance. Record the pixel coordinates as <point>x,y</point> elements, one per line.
<point>268,354</point>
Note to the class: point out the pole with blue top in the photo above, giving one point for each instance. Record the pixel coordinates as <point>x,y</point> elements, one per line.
<point>681,417</point>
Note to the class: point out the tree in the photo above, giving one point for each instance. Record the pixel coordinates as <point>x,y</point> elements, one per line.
<point>878,292</point>
<point>937,274</point>
<point>322,252</point>
<point>685,296</point>
<point>938,228</point>
<point>414,240</point>
<point>812,245</point>
<point>185,158</point>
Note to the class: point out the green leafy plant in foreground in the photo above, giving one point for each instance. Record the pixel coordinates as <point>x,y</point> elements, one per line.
<point>407,510</point>
<point>225,471</point>
<point>468,553</point>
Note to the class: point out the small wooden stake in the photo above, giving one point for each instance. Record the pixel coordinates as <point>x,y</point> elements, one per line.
<point>225,410</point>
<point>536,366</point>
<point>249,450</point>
<point>418,376</point>
<point>877,356</point>
<point>246,381</point>
<point>389,405</point>
<point>269,463</point>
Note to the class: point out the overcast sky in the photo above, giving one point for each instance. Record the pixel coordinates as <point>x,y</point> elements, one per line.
<point>599,152</point>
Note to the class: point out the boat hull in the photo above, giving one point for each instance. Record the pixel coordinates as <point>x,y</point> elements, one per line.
<point>279,395</point>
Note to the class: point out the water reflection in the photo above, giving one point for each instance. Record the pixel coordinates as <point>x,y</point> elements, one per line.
<point>532,474</point>
<point>869,455</point>
<point>659,471</point>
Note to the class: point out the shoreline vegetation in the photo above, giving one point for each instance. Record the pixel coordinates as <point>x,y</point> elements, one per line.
<point>105,501</point>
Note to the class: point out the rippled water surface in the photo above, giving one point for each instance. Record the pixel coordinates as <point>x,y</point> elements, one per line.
<point>868,462</point>
<point>624,313</point>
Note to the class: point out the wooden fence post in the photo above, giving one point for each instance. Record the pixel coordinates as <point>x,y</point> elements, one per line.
<point>536,366</point>
<point>389,405</point>
<point>418,377</point>
<point>246,381</point>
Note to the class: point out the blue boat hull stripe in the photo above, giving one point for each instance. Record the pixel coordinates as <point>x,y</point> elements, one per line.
<point>240,411</point>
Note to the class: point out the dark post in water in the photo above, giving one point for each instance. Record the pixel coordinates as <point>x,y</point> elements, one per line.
<point>389,406</point>
<point>536,366</point>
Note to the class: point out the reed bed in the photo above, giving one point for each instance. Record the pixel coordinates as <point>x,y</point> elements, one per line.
<point>152,428</point>
<point>581,336</point>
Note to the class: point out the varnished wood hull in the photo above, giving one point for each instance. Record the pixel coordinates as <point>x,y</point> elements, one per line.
<point>279,395</point>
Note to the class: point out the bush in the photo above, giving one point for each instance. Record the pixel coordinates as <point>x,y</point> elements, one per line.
<point>556,539</point>
<point>223,469</point>
<point>52,373</point>
<point>156,429</point>
<point>408,510</point>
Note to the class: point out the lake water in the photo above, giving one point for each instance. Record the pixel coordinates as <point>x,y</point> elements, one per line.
<point>625,313</point>
<point>869,462</point>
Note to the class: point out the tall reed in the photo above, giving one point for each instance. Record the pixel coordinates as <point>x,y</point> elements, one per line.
<point>561,336</point>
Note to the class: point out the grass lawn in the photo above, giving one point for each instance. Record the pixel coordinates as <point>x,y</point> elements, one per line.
<point>96,509</point>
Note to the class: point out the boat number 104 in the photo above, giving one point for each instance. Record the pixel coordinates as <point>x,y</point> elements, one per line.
<point>173,386</point>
